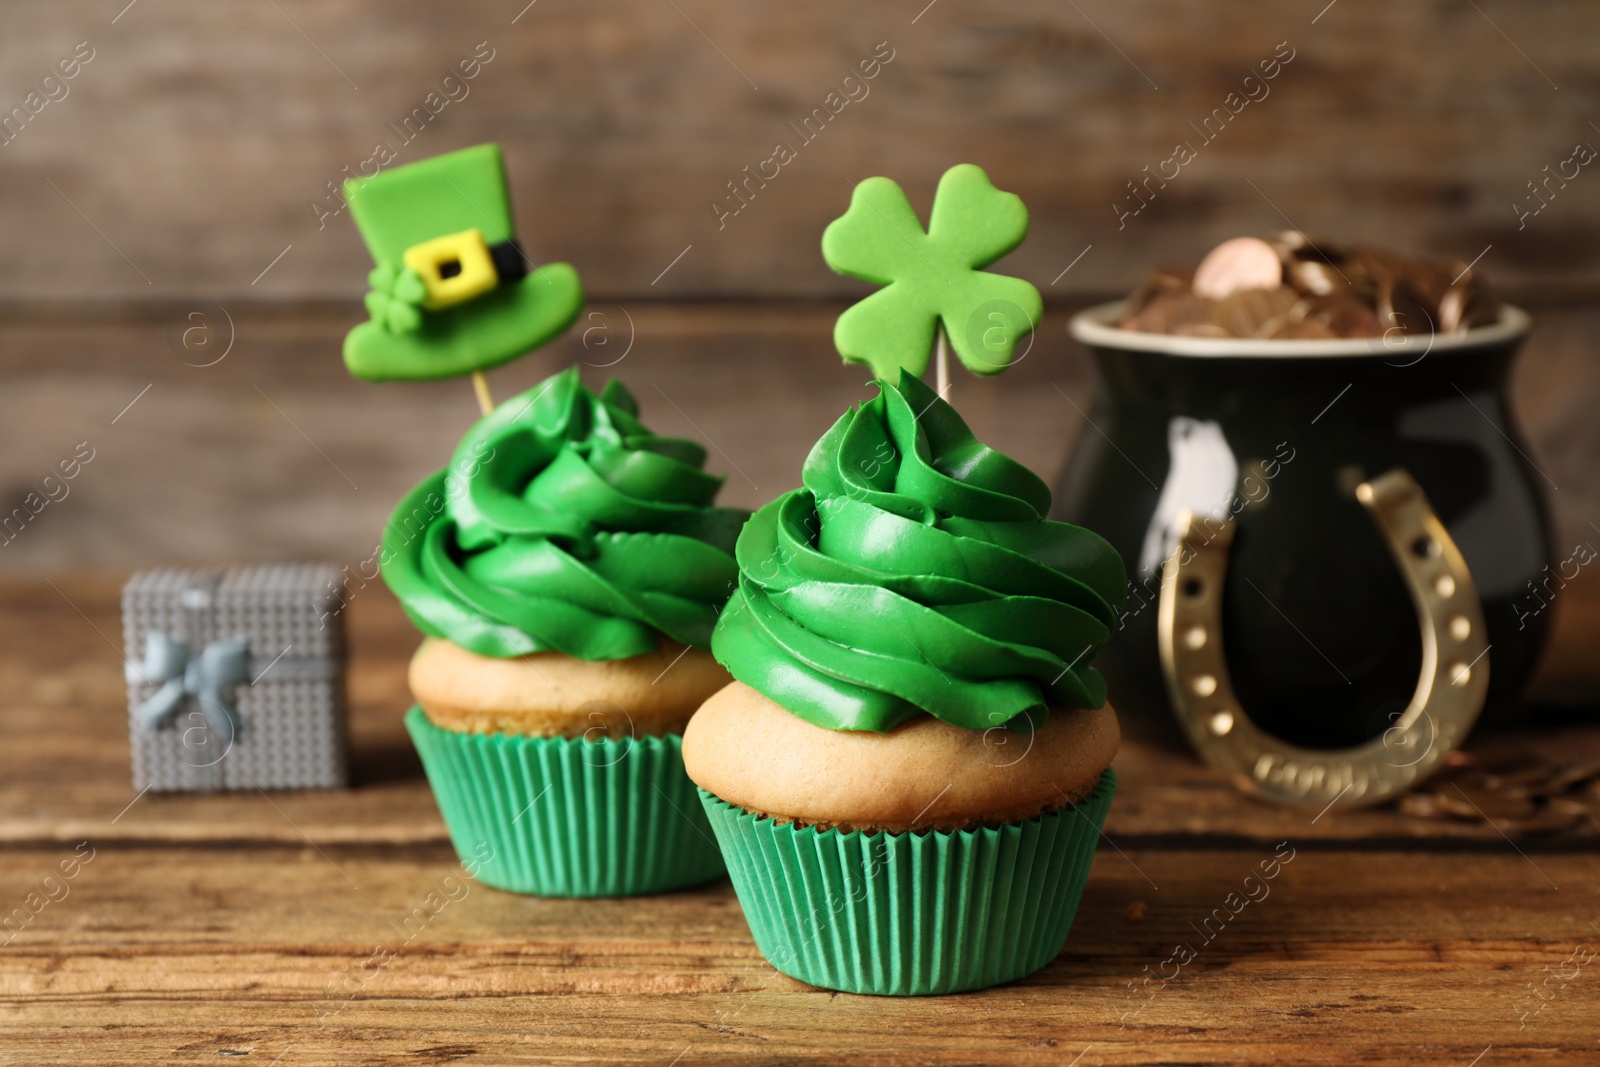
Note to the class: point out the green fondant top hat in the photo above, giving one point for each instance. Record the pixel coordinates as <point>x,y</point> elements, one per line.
<point>452,292</point>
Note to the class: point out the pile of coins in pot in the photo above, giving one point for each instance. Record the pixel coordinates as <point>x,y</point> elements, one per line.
<point>1518,793</point>
<point>1287,287</point>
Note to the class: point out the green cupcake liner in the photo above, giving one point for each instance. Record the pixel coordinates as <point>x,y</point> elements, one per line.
<point>566,817</point>
<point>911,914</point>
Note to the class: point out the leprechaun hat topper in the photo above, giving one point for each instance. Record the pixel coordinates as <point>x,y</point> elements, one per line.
<point>452,292</point>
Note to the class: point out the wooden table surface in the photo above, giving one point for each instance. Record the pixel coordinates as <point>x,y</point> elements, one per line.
<point>246,925</point>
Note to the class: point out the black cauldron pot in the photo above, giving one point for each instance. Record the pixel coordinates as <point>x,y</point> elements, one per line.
<point>1269,462</point>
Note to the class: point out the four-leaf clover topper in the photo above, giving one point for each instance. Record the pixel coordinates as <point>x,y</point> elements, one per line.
<point>933,281</point>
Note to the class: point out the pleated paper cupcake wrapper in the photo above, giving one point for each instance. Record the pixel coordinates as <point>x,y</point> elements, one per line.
<point>568,817</point>
<point>910,914</point>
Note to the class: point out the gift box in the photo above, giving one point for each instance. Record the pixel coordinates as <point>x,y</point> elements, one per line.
<point>236,677</point>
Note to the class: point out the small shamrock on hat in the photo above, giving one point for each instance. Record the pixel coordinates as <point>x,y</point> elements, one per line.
<point>396,297</point>
<point>934,284</point>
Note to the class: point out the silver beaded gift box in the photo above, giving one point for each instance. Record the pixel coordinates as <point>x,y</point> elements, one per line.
<point>236,677</point>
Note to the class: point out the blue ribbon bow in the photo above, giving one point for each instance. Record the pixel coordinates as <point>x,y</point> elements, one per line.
<point>210,678</point>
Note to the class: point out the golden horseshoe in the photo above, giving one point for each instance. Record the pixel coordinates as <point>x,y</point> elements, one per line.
<point>1449,695</point>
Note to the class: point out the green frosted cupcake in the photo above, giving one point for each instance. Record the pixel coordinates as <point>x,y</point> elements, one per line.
<point>567,568</point>
<point>909,776</point>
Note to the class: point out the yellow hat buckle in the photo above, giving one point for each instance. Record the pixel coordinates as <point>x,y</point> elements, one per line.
<point>454,268</point>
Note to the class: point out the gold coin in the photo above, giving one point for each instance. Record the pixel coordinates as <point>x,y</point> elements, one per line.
<point>1569,777</point>
<point>1256,312</point>
<point>1556,816</point>
<point>1236,264</point>
<point>1421,805</point>
<point>1473,802</point>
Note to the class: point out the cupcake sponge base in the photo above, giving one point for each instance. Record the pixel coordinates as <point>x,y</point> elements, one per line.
<point>908,914</point>
<point>569,817</point>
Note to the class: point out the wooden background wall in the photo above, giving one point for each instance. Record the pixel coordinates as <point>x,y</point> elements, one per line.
<point>185,160</point>
<point>200,133</point>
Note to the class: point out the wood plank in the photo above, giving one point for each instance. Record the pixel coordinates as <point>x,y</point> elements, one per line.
<point>64,755</point>
<point>176,955</point>
<point>276,453</point>
<point>225,121</point>
<point>65,750</point>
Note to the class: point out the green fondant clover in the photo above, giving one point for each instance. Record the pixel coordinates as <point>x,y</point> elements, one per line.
<point>933,278</point>
<point>395,300</point>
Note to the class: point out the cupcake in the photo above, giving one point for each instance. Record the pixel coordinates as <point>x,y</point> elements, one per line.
<point>567,568</point>
<point>909,775</point>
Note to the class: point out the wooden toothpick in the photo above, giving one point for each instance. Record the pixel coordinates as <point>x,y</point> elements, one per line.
<point>941,358</point>
<point>480,385</point>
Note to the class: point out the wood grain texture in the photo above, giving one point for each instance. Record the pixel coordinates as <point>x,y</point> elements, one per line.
<point>64,753</point>
<point>174,955</point>
<point>287,928</point>
<point>276,453</point>
<point>199,135</point>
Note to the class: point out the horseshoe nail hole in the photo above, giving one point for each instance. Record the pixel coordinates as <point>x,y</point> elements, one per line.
<point>1193,587</point>
<point>1458,673</point>
<point>1203,685</point>
<point>1195,637</point>
<point>1460,627</point>
<point>1221,723</point>
<point>1445,586</point>
<point>1425,547</point>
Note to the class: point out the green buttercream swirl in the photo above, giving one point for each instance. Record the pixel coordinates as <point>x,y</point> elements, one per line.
<point>915,573</point>
<point>563,524</point>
